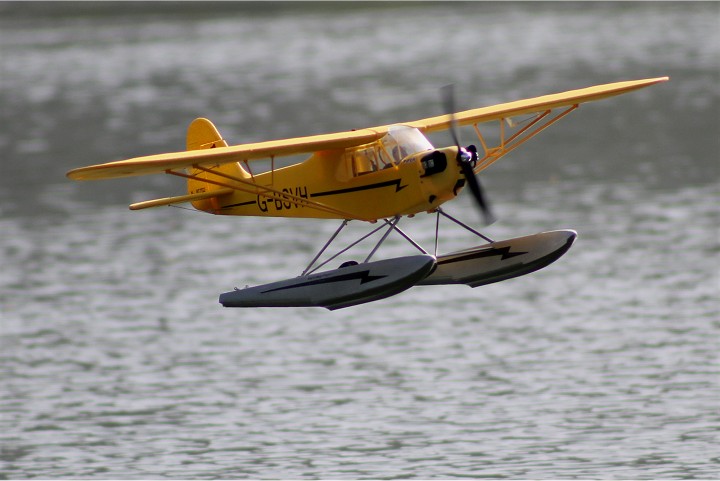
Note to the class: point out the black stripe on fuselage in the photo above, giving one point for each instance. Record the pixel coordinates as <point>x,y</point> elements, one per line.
<point>379,185</point>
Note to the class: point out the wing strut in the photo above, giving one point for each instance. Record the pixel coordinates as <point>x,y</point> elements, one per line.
<point>527,132</point>
<point>263,191</point>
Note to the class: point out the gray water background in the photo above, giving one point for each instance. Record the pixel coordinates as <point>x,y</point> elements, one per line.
<point>117,361</point>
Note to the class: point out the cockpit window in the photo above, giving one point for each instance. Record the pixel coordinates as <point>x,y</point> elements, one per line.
<point>402,141</point>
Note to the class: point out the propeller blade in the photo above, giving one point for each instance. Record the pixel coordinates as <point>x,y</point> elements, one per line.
<point>448,98</point>
<point>478,193</point>
<point>466,165</point>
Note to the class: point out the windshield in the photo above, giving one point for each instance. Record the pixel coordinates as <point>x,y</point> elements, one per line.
<point>402,141</point>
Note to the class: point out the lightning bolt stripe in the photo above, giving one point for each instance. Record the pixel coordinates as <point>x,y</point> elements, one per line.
<point>379,185</point>
<point>363,276</point>
<point>492,251</point>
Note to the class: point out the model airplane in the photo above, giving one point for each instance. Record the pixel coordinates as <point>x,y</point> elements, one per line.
<point>380,173</point>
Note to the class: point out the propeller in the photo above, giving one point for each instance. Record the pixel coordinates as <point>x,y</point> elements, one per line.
<point>466,158</point>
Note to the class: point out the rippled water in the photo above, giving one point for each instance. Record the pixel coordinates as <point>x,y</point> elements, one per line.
<point>118,362</point>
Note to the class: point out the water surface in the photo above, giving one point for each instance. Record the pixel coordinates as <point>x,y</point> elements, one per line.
<point>118,362</point>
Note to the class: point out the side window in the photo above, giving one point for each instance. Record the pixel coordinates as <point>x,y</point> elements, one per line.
<point>373,158</point>
<point>363,161</point>
<point>385,156</point>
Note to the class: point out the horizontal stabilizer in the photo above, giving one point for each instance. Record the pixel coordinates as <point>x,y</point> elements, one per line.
<point>179,199</point>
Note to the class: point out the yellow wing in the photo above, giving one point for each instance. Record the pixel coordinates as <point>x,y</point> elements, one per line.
<point>533,105</point>
<point>155,164</point>
<point>542,112</point>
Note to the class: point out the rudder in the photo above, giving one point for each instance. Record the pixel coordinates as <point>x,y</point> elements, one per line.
<point>202,134</point>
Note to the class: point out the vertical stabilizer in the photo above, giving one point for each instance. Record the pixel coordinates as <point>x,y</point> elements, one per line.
<point>202,134</point>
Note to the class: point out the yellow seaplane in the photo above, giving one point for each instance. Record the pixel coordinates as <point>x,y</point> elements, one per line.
<point>373,174</point>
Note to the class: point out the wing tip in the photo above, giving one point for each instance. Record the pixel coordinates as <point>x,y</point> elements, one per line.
<point>74,174</point>
<point>655,80</point>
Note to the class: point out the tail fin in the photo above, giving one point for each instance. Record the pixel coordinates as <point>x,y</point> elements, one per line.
<point>202,134</point>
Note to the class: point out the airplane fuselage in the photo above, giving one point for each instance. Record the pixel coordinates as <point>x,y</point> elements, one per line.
<point>418,183</point>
